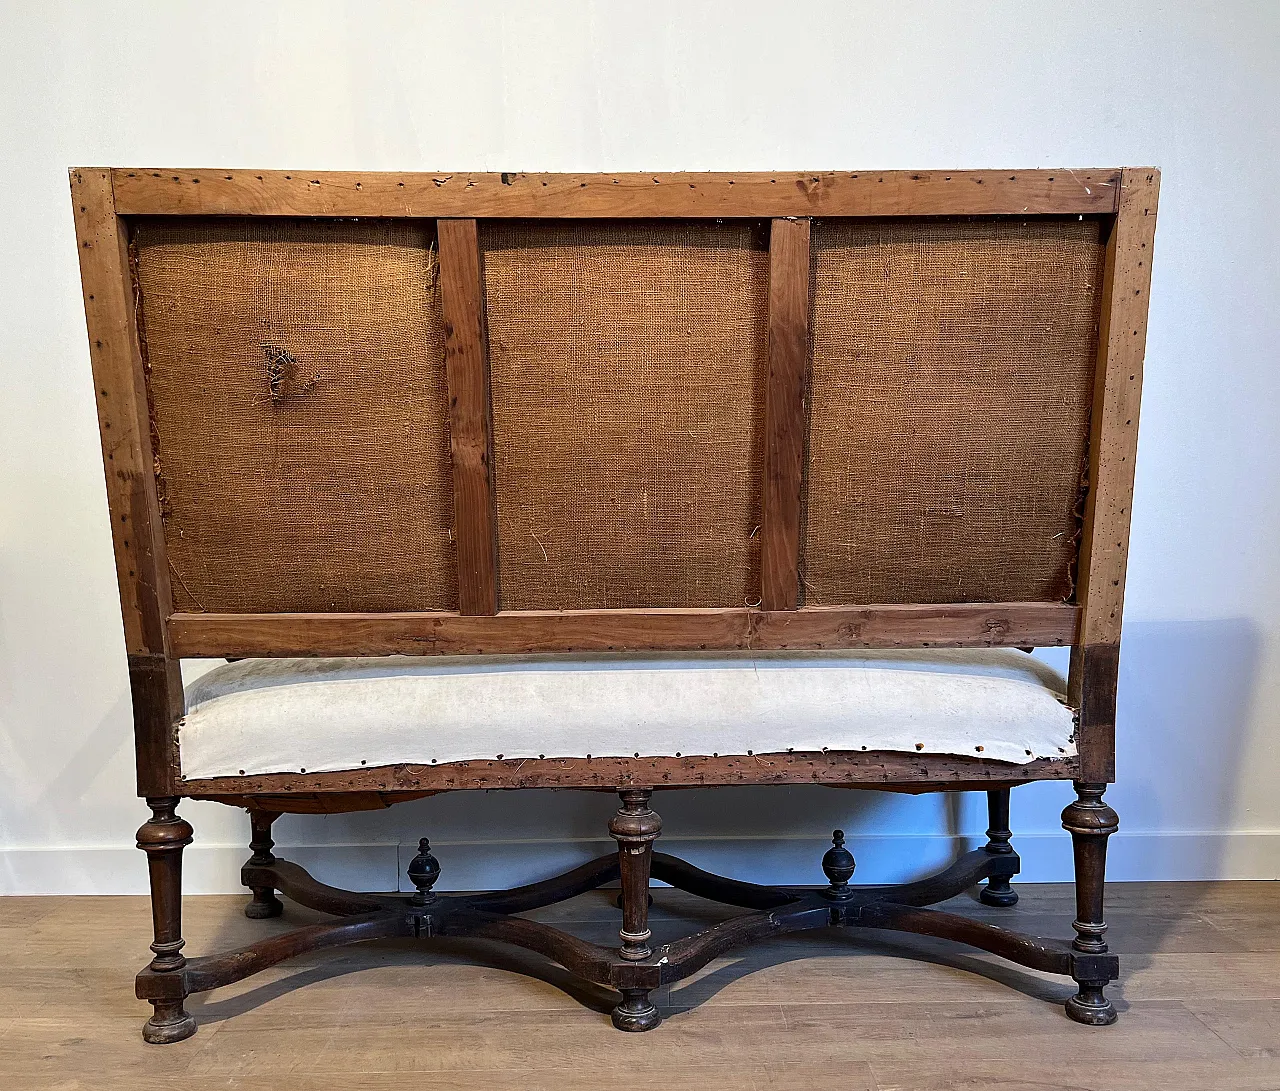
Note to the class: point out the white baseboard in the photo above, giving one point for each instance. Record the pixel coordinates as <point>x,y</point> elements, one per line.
<point>1046,857</point>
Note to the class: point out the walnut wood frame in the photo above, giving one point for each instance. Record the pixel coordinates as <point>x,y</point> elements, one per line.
<point>157,638</point>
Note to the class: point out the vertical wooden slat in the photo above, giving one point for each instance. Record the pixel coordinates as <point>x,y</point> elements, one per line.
<point>1104,548</point>
<point>471,430</point>
<point>784,413</point>
<point>122,410</point>
<point>124,427</point>
<point>1122,342</point>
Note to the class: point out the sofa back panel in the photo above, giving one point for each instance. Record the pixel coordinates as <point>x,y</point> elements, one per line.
<point>627,363</point>
<point>298,412</point>
<point>362,413</point>
<point>952,376</point>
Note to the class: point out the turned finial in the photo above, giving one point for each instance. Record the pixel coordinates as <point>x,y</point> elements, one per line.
<point>424,870</point>
<point>838,865</point>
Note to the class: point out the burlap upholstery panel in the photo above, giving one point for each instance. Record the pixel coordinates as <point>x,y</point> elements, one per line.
<point>299,412</point>
<point>952,374</point>
<point>628,364</point>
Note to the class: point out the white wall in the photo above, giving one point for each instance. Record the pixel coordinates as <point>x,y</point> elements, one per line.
<point>1191,88</point>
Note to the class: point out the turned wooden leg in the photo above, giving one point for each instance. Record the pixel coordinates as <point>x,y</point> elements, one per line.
<point>635,827</point>
<point>163,838</point>
<point>265,903</point>
<point>998,891</point>
<point>1090,822</point>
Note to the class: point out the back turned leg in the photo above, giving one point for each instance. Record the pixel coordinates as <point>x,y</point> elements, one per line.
<point>998,891</point>
<point>265,903</point>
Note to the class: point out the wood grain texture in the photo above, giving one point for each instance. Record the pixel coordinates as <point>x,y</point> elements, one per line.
<point>471,422</point>
<point>872,769</point>
<point>185,191</point>
<point>123,420</point>
<point>1122,339</point>
<point>784,413</point>
<point>1008,624</point>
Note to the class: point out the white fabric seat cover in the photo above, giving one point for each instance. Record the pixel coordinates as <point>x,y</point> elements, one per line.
<point>321,715</point>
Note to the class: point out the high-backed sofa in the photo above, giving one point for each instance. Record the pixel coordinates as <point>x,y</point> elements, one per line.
<point>622,482</point>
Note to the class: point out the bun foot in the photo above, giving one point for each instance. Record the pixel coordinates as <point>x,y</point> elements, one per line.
<point>999,893</point>
<point>170,1023</point>
<point>636,1012</point>
<point>264,906</point>
<point>1090,1007</point>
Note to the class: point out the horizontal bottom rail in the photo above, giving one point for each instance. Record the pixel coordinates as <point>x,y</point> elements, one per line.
<point>882,770</point>
<point>894,625</point>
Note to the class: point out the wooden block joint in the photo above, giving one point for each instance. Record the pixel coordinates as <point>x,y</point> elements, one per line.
<point>155,684</point>
<point>1095,671</point>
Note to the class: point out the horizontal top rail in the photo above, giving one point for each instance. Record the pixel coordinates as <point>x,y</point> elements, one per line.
<point>221,192</point>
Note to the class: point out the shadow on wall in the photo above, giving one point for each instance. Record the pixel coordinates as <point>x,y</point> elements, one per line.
<point>1185,696</point>
<point>1185,703</point>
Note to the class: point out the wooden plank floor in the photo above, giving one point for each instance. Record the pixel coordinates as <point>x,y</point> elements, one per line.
<point>1199,1000</point>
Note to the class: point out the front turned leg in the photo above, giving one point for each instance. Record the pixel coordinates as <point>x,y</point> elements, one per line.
<point>635,827</point>
<point>163,838</point>
<point>1090,822</point>
<point>265,903</point>
<point>998,891</point>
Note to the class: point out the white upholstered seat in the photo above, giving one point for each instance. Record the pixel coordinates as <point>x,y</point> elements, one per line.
<point>287,715</point>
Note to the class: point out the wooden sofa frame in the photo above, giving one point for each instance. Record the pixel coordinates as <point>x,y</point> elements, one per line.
<point>157,637</point>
